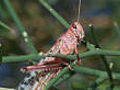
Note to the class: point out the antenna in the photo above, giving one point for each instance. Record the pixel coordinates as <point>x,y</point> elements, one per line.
<point>79,8</point>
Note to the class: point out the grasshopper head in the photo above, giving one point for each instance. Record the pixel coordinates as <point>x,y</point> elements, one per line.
<point>78,31</point>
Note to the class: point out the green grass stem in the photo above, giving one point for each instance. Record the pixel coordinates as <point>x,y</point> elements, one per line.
<point>54,13</point>
<point>5,26</point>
<point>20,26</point>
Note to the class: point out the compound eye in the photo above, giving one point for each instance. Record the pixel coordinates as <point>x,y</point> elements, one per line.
<point>74,26</point>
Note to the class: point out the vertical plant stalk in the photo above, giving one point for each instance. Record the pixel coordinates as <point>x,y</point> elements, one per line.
<point>103,58</point>
<point>117,29</point>
<point>20,27</point>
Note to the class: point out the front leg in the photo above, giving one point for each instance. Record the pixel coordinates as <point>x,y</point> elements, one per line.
<point>77,55</point>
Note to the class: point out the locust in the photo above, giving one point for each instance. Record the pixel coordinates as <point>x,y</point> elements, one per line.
<point>39,75</point>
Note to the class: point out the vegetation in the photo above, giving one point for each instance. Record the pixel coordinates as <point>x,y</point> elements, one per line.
<point>93,49</point>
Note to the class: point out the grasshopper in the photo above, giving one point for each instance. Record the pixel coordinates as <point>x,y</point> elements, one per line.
<point>49,67</point>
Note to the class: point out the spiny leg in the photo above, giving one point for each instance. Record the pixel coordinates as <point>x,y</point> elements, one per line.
<point>50,65</point>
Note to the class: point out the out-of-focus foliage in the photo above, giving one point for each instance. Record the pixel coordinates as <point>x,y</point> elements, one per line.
<point>44,29</point>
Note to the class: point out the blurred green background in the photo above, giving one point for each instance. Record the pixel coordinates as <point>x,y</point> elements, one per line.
<point>44,29</point>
